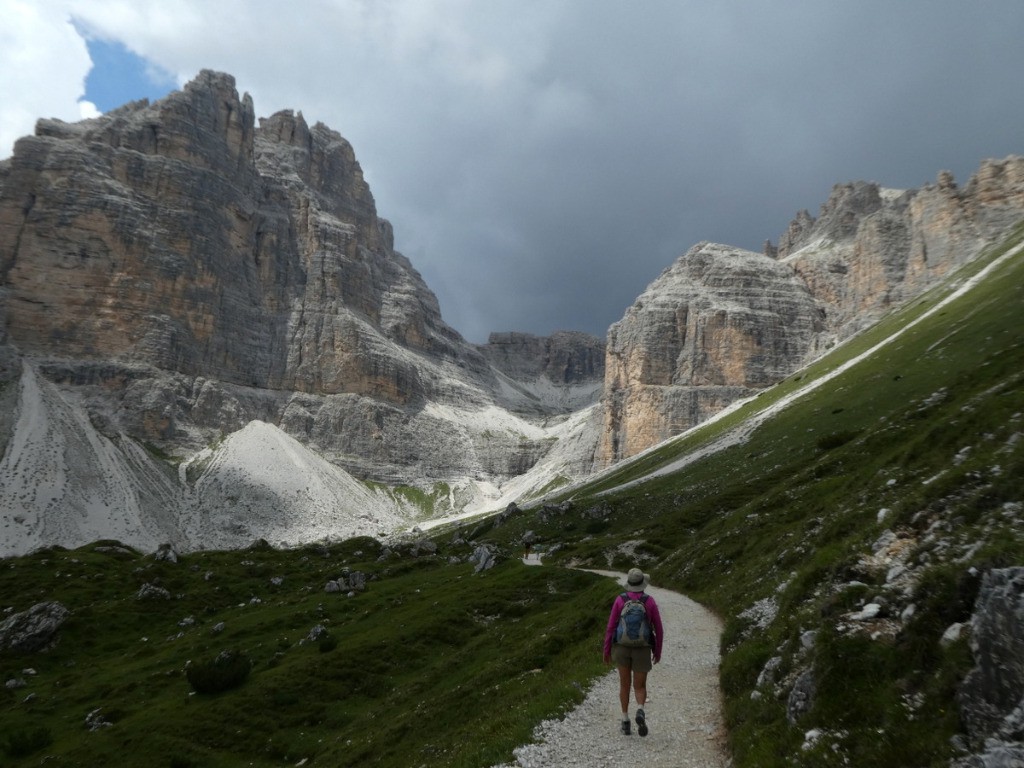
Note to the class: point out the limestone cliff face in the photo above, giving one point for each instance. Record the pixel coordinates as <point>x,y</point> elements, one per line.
<point>182,269</point>
<point>717,325</point>
<point>181,236</point>
<point>567,367</point>
<point>128,237</point>
<point>720,324</point>
<point>565,357</point>
<point>872,248</point>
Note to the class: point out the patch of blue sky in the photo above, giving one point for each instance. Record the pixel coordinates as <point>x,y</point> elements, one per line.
<point>119,76</point>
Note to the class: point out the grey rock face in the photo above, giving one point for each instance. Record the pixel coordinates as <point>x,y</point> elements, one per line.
<point>712,328</point>
<point>181,236</point>
<point>32,630</point>
<point>994,689</point>
<point>717,325</point>
<point>565,357</point>
<point>567,363</point>
<point>872,248</point>
<point>179,271</point>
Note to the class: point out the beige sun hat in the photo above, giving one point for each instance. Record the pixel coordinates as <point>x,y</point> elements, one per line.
<point>637,580</point>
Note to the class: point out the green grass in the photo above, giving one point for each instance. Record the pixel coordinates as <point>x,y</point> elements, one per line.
<point>434,665</point>
<point>430,665</point>
<point>425,504</point>
<point>792,512</point>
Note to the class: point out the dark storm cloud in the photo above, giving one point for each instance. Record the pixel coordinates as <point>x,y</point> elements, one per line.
<point>684,124</point>
<point>543,161</point>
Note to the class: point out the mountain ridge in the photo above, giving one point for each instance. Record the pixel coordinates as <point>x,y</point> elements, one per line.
<point>180,270</point>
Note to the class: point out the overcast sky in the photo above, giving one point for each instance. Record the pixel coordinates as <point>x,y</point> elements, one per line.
<point>543,161</point>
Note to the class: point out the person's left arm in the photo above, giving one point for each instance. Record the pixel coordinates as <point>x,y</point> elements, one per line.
<point>609,632</point>
<point>659,632</point>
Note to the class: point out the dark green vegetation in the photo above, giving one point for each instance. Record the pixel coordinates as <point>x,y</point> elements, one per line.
<point>924,438</point>
<point>436,666</point>
<point>430,665</point>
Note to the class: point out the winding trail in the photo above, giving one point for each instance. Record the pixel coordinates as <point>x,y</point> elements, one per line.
<point>684,708</point>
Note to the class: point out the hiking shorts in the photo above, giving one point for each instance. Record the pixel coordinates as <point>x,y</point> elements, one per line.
<point>636,659</point>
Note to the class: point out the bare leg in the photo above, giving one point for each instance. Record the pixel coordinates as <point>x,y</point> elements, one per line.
<point>639,687</point>
<point>624,683</point>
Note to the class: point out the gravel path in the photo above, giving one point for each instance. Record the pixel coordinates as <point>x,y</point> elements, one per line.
<point>683,705</point>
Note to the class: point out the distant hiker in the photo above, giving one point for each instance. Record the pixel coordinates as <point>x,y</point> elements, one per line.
<point>528,540</point>
<point>634,635</point>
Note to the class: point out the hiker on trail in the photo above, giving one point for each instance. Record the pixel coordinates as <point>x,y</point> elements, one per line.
<point>633,641</point>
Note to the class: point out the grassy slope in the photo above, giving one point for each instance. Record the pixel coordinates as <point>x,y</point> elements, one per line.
<point>433,665</point>
<point>792,513</point>
<point>436,666</point>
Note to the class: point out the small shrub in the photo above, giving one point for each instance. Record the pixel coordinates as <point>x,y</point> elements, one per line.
<point>328,643</point>
<point>228,670</point>
<point>741,667</point>
<point>835,439</point>
<point>24,743</point>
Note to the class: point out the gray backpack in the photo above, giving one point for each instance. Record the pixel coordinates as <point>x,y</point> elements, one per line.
<point>634,628</point>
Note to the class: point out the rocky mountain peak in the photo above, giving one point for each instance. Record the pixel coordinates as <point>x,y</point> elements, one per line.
<point>839,218</point>
<point>718,324</point>
<point>322,162</point>
<point>174,274</point>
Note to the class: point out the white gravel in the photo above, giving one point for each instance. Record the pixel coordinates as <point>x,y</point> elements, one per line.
<point>684,711</point>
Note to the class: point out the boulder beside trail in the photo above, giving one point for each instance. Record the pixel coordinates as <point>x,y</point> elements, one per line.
<point>34,629</point>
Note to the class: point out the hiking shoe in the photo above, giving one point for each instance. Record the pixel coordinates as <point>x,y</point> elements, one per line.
<point>641,722</point>
<point>625,728</point>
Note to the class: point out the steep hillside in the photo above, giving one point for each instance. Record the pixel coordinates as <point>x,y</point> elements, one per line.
<point>856,536</point>
<point>178,276</point>
<point>853,525</point>
<point>172,272</point>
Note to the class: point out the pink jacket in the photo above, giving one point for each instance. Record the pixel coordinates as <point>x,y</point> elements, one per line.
<point>652,613</point>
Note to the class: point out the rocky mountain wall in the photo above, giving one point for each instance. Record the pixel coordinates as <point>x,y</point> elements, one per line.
<point>566,368</point>
<point>872,248</point>
<point>181,236</point>
<point>720,324</point>
<point>717,325</point>
<point>187,271</point>
<point>172,273</point>
<point>565,357</point>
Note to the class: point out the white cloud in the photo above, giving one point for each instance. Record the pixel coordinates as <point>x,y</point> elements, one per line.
<point>43,64</point>
<point>86,109</point>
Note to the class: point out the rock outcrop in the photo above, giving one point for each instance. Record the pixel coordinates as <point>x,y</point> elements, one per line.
<point>714,328</point>
<point>991,697</point>
<point>173,272</point>
<point>35,629</point>
<point>718,325</point>
<point>180,281</point>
